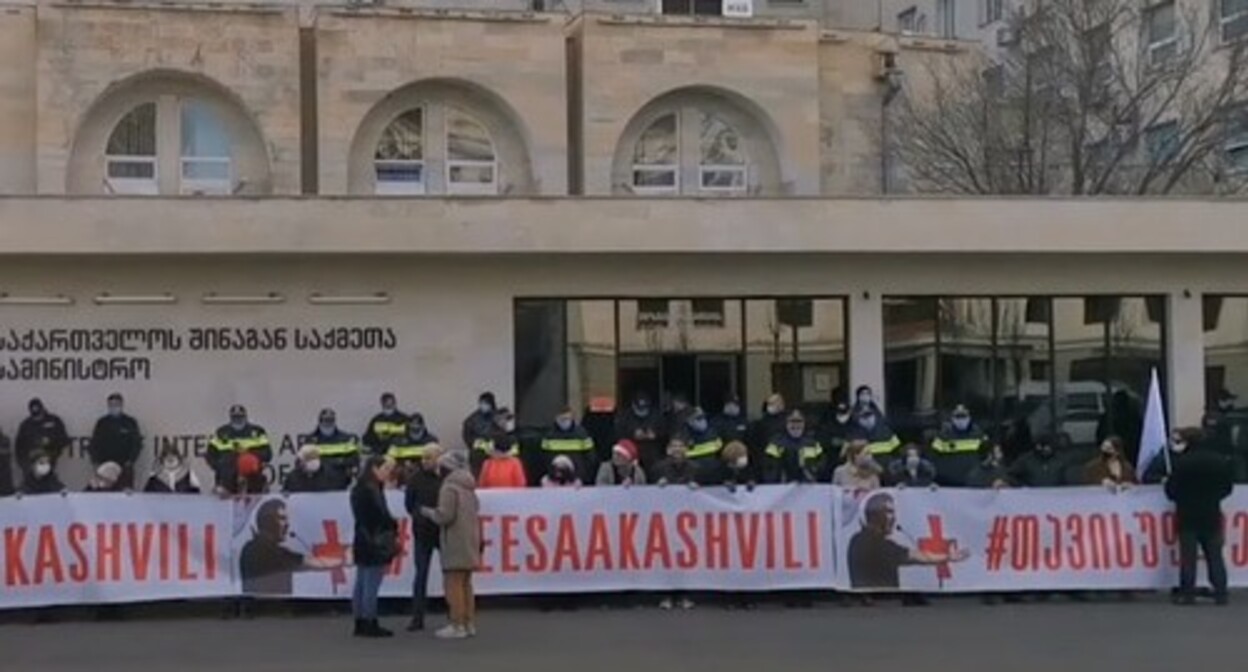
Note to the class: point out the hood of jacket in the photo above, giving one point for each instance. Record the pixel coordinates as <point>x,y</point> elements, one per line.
<point>461,478</point>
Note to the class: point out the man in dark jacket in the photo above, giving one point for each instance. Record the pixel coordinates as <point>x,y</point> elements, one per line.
<point>6,466</point>
<point>423,485</point>
<point>991,471</point>
<point>311,474</point>
<point>386,427</point>
<point>835,429</point>
<point>41,431</point>
<point>568,438</point>
<point>1200,481</point>
<point>795,456</point>
<point>641,425</point>
<point>117,439</point>
<point>229,444</point>
<point>479,424</point>
<point>1040,468</point>
<point>731,424</point>
<point>338,451</point>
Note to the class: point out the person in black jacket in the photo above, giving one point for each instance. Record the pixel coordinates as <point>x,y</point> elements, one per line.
<point>172,475</point>
<point>43,432</point>
<point>641,425</point>
<point>423,484</point>
<point>375,543</point>
<point>40,477</point>
<point>731,423</point>
<point>386,427</point>
<point>117,438</point>
<point>1040,468</point>
<point>311,474</point>
<point>6,466</point>
<point>1200,480</point>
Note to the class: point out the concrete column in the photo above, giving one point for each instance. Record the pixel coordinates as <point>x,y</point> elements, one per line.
<point>1185,359</point>
<point>866,344</point>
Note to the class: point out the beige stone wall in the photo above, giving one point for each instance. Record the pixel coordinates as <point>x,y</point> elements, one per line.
<point>513,64</point>
<point>17,99</point>
<point>770,66</point>
<point>84,51</point>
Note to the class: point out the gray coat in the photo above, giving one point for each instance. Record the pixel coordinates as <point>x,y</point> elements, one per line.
<point>457,515</point>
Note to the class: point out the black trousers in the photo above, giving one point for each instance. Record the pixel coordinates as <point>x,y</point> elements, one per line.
<point>1210,541</point>
<point>422,554</point>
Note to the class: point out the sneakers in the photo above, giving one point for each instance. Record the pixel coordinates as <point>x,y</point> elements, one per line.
<point>471,630</point>
<point>666,604</point>
<point>417,624</point>
<point>686,603</point>
<point>370,629</point>
<point>452,632</point>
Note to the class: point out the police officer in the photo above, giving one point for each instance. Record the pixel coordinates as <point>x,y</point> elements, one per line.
<point>231,442</point>
<point>385,427</point>
<point>117,439</point>
<point>42,431</point>
<point>568,438</point>
<point>872,429</point>
<point>640,424</point>
<point>339,451</point>
<point>409,449</point>
<point>795,456</point>
<point>836,428</point>
<point>500,433</point>
<point>479,425</point>
<point>955,451</point>
<point>704,447</point>
<point>6,466</point>
<point>1201,480</point>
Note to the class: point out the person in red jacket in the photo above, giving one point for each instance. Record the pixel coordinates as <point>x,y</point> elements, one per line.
<point>502,469</point>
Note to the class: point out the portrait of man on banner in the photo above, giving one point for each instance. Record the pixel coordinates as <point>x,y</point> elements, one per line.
<point>875,556</point>
<point>267,563</point>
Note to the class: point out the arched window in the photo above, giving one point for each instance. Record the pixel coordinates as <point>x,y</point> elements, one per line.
<point>199,164</point>
<point>690,141</point>
<point>131,153</point>
<point>440,135</point>
<point>400,156</point>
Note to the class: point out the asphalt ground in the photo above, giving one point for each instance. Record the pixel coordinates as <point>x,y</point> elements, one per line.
<point>1105,634</point>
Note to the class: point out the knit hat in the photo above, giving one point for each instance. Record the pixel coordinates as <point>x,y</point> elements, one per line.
<point>453,460</point>
<point>626,448</point>
<point>108,472</point>
<point>562,462</point>
<point>309,452</point>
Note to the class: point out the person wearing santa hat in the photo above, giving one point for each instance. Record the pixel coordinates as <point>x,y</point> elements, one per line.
<point>623,469</point>
<point>562,474</point>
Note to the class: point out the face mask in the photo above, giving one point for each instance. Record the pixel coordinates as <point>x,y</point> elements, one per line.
<point>774,409</point>
<point>912,462</point>
<point>732,410</point>
<point>312,466</point>
<point>867,423</point>
<point>388,408</point>
<point>698,425</point>
<point>961,424</point>
<point>564,424</point>
<point>863,461</point>
<point>327,428</point>
<point>742,462</point>
<point>172,464</point>
<point>641,410</point>
<point>842,418</point>
<point>484,408</point>
<point>796,432</point>
<point>864,398</point>
<point>114,411</point>
<point>43,469</point>
<point>238,423</point>
<point>1179,447</point>
<point>510,425</point>
<point>37,412</point>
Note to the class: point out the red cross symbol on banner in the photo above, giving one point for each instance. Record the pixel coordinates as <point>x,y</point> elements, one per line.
<point>332,549</point>
<point>937,544</point>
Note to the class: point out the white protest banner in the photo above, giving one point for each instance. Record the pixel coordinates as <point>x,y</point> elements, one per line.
<point>1043,539</point>
<point>93,548</point>
<point>567,540</point>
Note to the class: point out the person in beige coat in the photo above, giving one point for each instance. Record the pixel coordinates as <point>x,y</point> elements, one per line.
<point>457,514</point>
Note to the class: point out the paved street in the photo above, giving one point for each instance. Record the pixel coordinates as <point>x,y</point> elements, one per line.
<point>958,635</point>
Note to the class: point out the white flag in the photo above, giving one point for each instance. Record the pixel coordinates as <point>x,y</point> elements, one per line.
<point>1153,438</point>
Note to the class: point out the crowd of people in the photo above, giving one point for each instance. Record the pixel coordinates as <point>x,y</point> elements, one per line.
<point>681,445</point>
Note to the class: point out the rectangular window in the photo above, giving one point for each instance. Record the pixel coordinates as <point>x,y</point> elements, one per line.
<point>134,175</point>
<point>1236,145</point>
<point>1233,19</point>
<point>653,313</point>
<point>204,175</point>
<point>1162,32</point>
<point>994,10</point>
<point>1162,141</point>
<point>1226,359</point>
<point>947,19</point>
<point>707,312</point>
<point>692,7</point>
<point>655,179</point>
<point>722,177</point>
<point>471,177</point>
<point>399,177</point>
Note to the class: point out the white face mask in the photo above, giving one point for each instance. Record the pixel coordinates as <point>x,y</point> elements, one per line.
<point>510,425</point>
<point>312,466</point>
<point>742,462</point>
<point>43,469</point>
<point>172,464</point>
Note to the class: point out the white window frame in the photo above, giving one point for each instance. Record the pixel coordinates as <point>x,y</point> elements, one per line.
<point>1225,21</point>
<point>1170,43</point>
<point>670,168</point>
<point>134,186</point>
<point>737,168</point>
<point>399,187</point>
<point>473,188</point>
<point>205,186</point>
